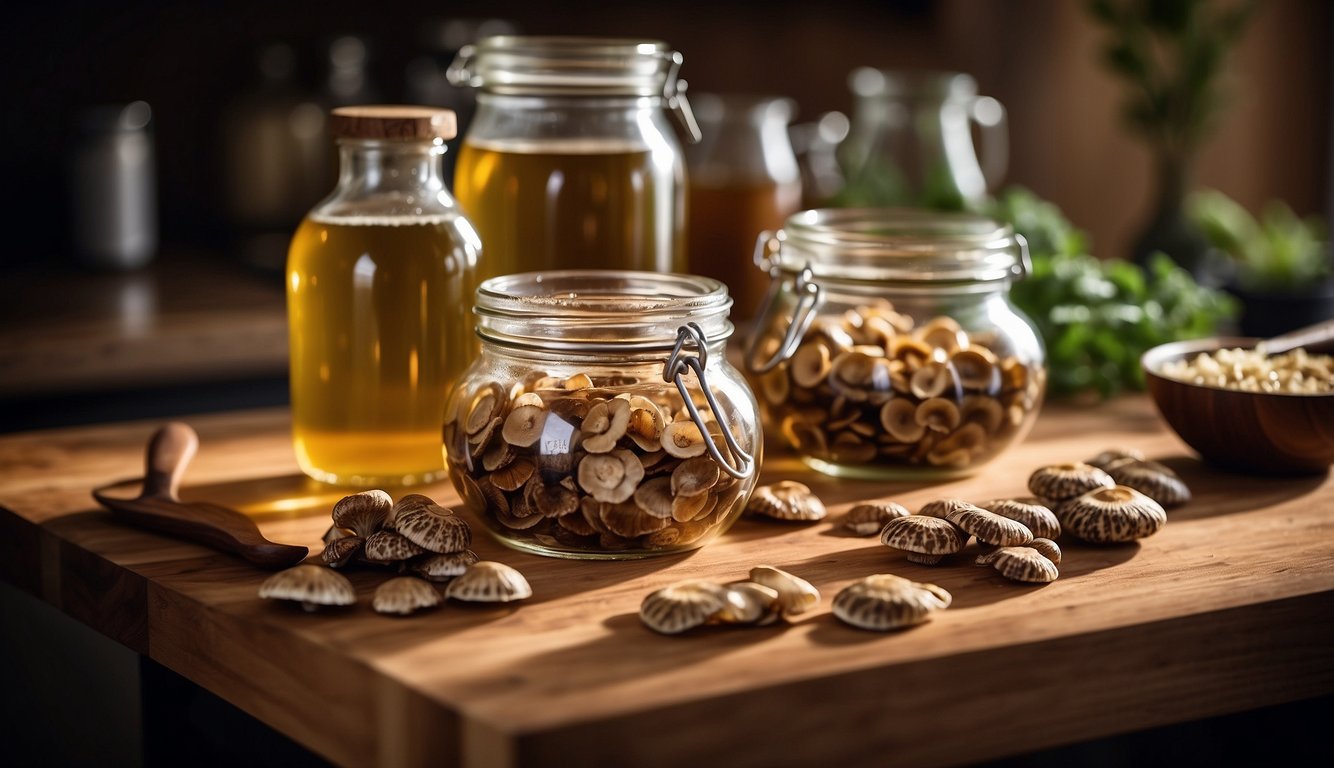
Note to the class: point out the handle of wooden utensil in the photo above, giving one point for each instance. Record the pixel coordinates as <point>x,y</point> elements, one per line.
<point>169,453</point>
<point>1316,338</point>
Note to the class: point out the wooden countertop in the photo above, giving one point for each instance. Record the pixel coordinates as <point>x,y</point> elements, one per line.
<point>1230,607</point>
<point>185,318</point>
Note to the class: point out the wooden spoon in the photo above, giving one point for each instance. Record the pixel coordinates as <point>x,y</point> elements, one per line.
<point>158,507</point>
<point>1316,338</point>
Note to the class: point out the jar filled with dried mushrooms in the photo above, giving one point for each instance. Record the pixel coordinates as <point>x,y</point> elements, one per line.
<point>888,346</point>
<point>602,419</point>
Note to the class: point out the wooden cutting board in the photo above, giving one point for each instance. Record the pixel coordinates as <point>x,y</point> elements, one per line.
<point>1230,607</point>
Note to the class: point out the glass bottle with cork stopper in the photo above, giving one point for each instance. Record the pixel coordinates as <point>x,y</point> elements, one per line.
<point>380,278</point>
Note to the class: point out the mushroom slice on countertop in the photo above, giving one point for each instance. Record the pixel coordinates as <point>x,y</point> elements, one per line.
<point>409,501</point>
<point>363,513</point>
<point>1157,481</point>
<point>869,519</point>
<point>795,594</point>
<point>1031,512</point>
<point>434,528</point>
<point>487,581</point>
<point>309,585</point>
<point>685,605</point>
<point>1058,482</point>
<point>1112,456</point>
<point>340,552</point>
<point>750,602</point>
<point>1021,564</point>
<point>926,540</point>
<point>1111,515</point>
<point>882,602</point>
<point>786,500</point>
<point>443,566</point>
<point>1049,549</point>
<point>990,528</point>
<point>403,595</point>
<point>385,547</point>
<point>942,508</point>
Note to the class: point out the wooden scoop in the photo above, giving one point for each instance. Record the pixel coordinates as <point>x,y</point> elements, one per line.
<point>158,508</point>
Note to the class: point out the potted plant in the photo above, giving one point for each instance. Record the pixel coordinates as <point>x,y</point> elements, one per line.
<point>1280,264</point>
<point>1170,53</point>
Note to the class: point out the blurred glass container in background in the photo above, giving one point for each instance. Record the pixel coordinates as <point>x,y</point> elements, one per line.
<point>427,78</point>
<point>570,161</point>
<point>380,281</point>
<point>911,141</point>
<point>114,187</point>
<point>743,179</point>
<point>276,161</point>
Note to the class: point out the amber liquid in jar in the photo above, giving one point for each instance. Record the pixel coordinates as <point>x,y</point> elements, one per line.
<point>725,221</point>
<point>379,329</point>
<point>572,203</point>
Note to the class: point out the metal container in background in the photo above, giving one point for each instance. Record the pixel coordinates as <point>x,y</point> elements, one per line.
<point>113,187</point>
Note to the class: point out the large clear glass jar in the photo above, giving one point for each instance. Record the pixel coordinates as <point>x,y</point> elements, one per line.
<point>570,161</point>
<point>380,277</point>
<point>601,418</point>
<point>889,347</point>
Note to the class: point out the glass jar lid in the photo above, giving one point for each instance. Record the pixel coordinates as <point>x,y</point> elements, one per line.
<point>896,245</point>
<point>600,311</point>
<point>588,66</point>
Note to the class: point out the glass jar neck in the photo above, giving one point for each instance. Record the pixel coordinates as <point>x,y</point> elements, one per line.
<point>605,314</point>
<point>375,167</point>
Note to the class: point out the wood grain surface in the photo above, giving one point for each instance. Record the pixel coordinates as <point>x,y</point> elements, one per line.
<point>1229,607</point>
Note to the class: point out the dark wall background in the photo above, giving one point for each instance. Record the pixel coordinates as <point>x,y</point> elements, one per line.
<point>191,59</point>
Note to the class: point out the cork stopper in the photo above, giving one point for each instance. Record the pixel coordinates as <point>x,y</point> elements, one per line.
<point>393,122</point>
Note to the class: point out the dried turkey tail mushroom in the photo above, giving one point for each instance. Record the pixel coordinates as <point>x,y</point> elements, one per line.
<point>926,540</point>
<point>685,605</point>
<point>795,594</point>
<point>409,501</point>
<point>1157,481</point>
<point>1031,512</point>
<point>363,513</point>
<point>340,552</point>
<point>1112,515</point>
<point>1048,548</point>
<point>750,602</point>
<point>990,528</point>
<point>1058,482</point>
<point>489,582</point>
<point>442,567</point>
<point>404,595</point>
<point>883,602</point>
<point>869,519</point>
<point>1021,564</point>
<point>1112,456</point>
<point>942,508</point>
<point>310,585</point>
<point>786,500</point>
<point>386,547</point>
<point>434,528</point>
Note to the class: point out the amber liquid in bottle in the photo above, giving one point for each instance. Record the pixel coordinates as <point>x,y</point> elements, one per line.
<point>725,222</point>
<point>571,204</point>
<point>380,327</point>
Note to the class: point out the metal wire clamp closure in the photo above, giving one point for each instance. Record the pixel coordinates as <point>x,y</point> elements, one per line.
<point>674,372</point>
<point>808,298</point>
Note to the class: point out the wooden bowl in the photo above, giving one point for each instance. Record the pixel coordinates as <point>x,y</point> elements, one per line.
<point>1253,432</point>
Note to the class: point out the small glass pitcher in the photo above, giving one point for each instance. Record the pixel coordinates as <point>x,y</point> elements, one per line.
<point>911,141</point>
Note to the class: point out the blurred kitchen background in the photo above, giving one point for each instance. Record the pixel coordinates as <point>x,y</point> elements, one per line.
<point>206,68</point>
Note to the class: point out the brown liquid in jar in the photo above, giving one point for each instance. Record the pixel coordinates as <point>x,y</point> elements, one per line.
<point>571,204</point>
